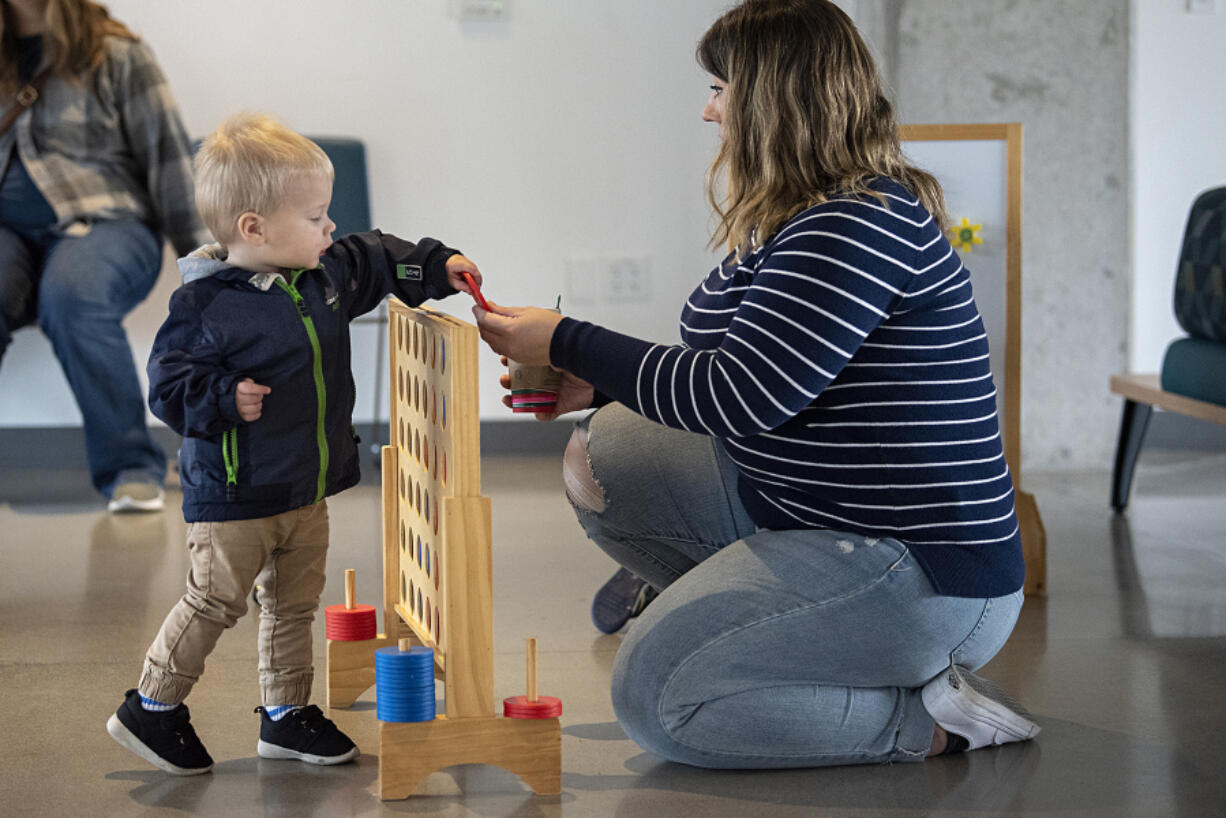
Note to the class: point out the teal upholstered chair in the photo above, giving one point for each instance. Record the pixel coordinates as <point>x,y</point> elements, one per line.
<point>351,189</point>
<point>1193,377</point>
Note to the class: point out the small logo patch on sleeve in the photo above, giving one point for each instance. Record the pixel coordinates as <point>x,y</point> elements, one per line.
<point>408,272</point>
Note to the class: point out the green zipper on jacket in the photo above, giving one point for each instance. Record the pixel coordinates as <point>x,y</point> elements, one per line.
<point>229,453</point>
<point>320,395</point>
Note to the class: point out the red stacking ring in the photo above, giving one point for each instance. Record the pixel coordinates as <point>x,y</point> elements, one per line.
<point>518,707</point>
<point>356,624</point>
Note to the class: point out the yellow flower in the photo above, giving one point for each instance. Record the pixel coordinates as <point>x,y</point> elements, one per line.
<point>965,235</point>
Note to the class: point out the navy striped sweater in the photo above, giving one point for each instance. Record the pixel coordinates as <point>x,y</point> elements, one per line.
<point>844,367</point>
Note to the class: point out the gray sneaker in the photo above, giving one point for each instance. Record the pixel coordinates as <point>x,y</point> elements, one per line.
<point>619,600</point>
<point>136,496</point>
<point>976,709</point>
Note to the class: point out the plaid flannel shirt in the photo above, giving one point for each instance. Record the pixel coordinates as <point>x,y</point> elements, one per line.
<point>111,146</point>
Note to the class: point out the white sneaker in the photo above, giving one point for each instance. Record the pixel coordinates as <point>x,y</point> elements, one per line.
<point>136,496</point>
<point>976,709</point>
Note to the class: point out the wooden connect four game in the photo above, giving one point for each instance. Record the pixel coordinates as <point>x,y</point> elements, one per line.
<point>437,569</point>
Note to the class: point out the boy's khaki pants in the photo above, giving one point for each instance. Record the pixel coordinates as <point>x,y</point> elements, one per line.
<point>284,555</point>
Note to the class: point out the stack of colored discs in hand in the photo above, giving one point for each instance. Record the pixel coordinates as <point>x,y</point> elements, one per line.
<point>354,624</point>
<point>404,684</point>
<point>533,400</point>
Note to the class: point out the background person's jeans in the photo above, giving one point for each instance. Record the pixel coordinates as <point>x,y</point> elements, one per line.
<point>770,648</point>
<point>79,289</point>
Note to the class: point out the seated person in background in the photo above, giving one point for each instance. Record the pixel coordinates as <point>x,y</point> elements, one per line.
<point>92,177</point>
<point>252,368</point>
<point>814,480</point>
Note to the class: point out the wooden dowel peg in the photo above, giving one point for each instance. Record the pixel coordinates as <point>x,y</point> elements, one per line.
<point>350,622</point>
<point>532,668</point>
<point>531,706</point>
<point>405,645</point>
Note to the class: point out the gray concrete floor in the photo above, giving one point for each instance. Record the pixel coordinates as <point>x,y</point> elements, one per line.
<point>1124,664</point>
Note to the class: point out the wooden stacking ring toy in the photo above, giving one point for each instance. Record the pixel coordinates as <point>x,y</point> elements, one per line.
<point>350,622</point>
<point>404,683</point>
<point>531,706</point>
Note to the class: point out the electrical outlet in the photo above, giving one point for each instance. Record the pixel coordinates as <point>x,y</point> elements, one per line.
<point>626,280</point>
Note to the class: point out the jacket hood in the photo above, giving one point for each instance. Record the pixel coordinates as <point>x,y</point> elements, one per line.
<point>206,260</point>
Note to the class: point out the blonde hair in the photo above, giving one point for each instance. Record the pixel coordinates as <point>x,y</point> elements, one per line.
<point>806,120</point>
<point>73,41</point>
<point>246,165</point>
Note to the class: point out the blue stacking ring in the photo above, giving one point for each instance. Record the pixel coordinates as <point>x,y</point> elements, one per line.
<point>404,684</point>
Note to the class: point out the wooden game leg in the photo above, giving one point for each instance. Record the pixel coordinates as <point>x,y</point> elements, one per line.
<point>351,668</point>
<point>530,748</point>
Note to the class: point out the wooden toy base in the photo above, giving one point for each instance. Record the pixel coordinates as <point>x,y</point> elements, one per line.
<point>351,668</point>
<point>530,748</point>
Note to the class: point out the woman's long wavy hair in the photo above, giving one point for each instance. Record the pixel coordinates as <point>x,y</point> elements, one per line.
<point>806,119</point>
<point>73,41</point>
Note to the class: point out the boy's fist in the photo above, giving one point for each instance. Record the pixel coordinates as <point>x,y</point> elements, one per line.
<point>249,399</point>
<point>457,265</point>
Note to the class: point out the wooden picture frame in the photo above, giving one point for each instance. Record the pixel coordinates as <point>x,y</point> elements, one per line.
<point>980,167</point>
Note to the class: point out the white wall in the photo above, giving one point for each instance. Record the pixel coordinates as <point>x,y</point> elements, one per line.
<point>1178,122</point>
<point>569,130</point>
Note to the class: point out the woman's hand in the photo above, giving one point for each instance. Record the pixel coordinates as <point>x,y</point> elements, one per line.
<point>456,266</point>
<point>574,394</point>
<point>520,333</point>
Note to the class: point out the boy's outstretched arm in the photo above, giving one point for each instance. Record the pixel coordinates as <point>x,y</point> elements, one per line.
<point>371,265</point>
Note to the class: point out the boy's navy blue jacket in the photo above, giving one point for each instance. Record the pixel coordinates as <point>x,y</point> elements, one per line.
<point>290,334</point>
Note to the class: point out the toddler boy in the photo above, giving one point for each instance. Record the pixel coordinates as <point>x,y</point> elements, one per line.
<point>252,368</point>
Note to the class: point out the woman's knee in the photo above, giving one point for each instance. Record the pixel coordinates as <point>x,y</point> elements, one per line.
<point>582,488</point>
<point>639,692</point>
<point>65,295</point>
<point>637,708</point>
<point>103,274</point>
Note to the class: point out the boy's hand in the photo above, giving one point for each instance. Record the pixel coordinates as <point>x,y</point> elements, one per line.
<point>458,264</point>
<point>249,399</point>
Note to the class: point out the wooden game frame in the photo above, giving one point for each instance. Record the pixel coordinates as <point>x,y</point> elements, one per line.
<point>437,568</point>
<point>1034,536</point>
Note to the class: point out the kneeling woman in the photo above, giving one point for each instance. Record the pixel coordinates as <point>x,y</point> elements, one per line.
<point>814,479</point>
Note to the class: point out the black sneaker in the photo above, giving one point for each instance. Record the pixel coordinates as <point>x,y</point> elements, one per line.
<point>164,739</point>
<point>305,734</point>
<point>619,600</point>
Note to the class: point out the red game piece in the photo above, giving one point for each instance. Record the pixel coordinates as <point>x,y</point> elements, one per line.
<point>477,296</point>
<point>518,707</point>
